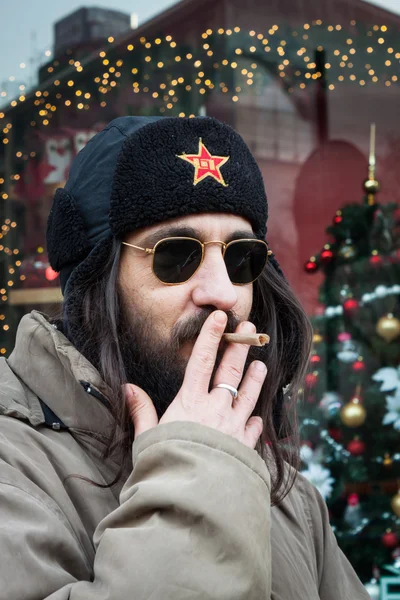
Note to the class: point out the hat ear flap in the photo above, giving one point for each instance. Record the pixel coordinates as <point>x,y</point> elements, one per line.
<point>67,240</point>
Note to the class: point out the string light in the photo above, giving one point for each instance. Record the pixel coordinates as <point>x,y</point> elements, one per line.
<point>289,69</point>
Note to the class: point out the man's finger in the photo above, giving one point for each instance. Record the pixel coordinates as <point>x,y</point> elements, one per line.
<point>253,431</point>
<point>202,361</point>
<point>232,365</point>
<point>141,409</point>
<point>250,389</point>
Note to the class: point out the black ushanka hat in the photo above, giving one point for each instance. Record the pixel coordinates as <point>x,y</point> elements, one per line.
<point>140,171</point>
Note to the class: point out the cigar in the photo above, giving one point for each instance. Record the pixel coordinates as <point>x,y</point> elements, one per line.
<point>255,339</point>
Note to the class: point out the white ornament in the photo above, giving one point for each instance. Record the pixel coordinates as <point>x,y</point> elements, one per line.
<point>320,478</point>
<point>390,378</point>
<point>306,453</point>
<point>330,403</point>
<point>393,410</point>
<point>330,311</point>
<point>349,352</point>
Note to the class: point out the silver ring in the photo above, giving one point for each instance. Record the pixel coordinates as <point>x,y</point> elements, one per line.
<point>230,389</point>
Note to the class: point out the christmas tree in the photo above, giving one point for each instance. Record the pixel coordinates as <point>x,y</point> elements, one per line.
<point>349,415</point>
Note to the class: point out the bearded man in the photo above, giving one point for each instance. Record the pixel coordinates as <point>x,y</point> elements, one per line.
<point>142,456</point>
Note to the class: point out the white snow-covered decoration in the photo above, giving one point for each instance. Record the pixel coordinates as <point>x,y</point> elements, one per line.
<point>389,377</point>
<point>320,478</point>
<point>349,352</point>
<point>393,410</point>
<point>334,311</point>
<point>306,453</point>
<point>381,291</point>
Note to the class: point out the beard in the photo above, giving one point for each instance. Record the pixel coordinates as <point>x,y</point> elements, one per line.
<point>156,365</point>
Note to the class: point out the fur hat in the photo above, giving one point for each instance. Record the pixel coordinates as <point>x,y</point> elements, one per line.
<point>140,171</point>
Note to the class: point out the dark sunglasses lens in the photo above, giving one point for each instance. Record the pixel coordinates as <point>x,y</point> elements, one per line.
<point>245,260</point>
<point>175,260</point>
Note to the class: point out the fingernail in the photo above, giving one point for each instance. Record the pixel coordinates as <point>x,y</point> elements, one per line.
<point>247,327</point>
<point>260,366</point>
<point>220,317</point>
<point>129,392</point>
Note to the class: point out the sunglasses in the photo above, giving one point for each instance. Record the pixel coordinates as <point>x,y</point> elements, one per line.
<point>176,259</point>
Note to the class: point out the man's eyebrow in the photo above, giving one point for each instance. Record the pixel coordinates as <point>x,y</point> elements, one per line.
<point>241,235</point>
<point>185,231</point>
<point>166,232</point>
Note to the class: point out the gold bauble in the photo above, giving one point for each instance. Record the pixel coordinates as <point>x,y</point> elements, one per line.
<point>353,414</point>
<point>371,186</point>
<point>317,338</point>
<point>347,250</point>
<point>387,461</point>
<point>388,327</point>
<point>396,504</point>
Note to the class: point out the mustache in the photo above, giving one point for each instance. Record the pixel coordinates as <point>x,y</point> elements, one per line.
<point>189,329</point>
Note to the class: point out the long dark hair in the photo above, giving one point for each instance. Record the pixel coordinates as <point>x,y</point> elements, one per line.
<point>275,310</point>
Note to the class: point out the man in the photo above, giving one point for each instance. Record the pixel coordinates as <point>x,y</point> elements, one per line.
<point>159,237</point>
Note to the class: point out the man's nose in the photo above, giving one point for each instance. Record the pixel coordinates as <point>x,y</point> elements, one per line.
<point>212,285</point>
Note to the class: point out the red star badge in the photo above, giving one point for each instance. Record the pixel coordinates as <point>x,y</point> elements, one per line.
<point>205,165</point>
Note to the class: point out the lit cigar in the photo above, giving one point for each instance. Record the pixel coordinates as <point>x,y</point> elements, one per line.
<point>255,339</point>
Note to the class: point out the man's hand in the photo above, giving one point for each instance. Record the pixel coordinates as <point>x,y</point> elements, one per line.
<point>216,409</point>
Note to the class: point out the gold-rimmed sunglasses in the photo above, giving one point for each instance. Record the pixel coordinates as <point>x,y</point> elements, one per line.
<point>176,259</point>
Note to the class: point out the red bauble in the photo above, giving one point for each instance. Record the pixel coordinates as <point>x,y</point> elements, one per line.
<point>344,336</point>
<point>311,380</point>
<point>358,366</point>
<point>335,434</point>
<point>315,359</point>
<point>375,260</point>
<point>326,256</point>
<point>356,447</point>
<point>390,539</point>
<point>351,305</point>
<point>338,219</point>
<point>353,500</point>
<point>311,266</point>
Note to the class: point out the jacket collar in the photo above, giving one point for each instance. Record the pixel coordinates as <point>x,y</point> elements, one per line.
<point>61,378</point>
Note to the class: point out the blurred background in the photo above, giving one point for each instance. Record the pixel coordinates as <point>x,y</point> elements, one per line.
<point>313,87</point>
